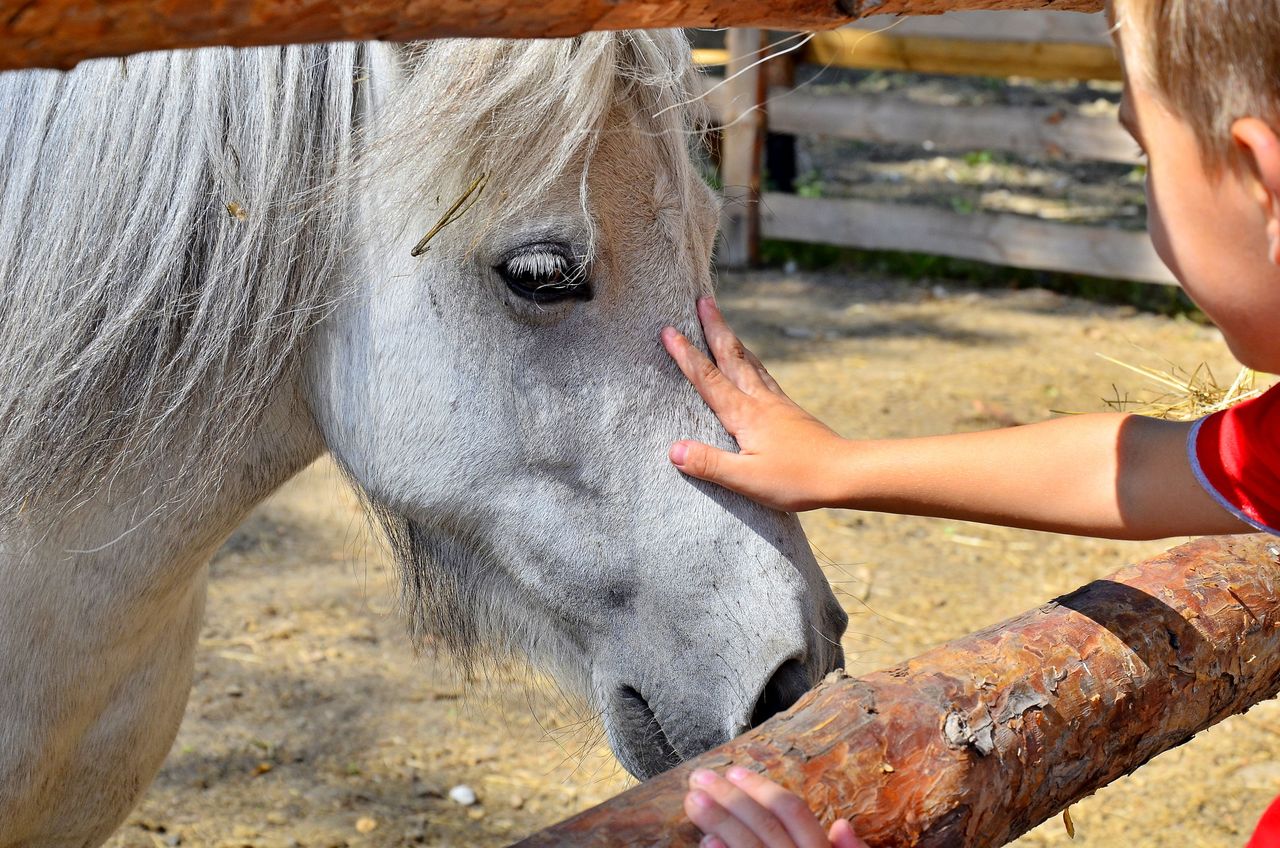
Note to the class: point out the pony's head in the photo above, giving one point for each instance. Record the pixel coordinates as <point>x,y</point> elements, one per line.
<point>503,399</point>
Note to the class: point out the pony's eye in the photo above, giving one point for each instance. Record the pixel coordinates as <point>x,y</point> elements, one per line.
<point>545,274</point>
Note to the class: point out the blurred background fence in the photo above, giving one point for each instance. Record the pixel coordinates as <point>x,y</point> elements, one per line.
<point>988,136</point>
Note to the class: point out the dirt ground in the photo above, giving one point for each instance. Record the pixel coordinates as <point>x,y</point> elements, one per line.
<point>312,723</point>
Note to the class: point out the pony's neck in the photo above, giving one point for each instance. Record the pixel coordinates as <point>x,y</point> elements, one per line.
<point>101,607</point>
<point>145,526</point>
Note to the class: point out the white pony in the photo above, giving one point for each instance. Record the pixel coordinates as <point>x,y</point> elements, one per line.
<point>212,270</point>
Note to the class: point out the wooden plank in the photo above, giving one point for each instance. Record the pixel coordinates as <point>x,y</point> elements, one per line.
<point>857,48</point>
<point>710,57</point>
<point>60,33</point>
<point>977,741</point>
<point>741,148</point>
<point>999,239</point>
<point>1042,131</point>
<point>893,119</point>
<point>1041,27</point>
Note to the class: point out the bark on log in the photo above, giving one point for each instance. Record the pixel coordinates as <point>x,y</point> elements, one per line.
<point>977,741</point>
<point>60,33</point>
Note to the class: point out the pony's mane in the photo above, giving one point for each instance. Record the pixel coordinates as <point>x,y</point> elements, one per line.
<point>159,258</point>
<point>175,224</point>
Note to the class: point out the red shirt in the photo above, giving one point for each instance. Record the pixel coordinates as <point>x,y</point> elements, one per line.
<point>1267,834</point>
<point>1235,454</point>
<point>1236,457</point>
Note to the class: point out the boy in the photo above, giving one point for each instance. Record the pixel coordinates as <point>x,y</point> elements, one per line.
<point>1202,99</point>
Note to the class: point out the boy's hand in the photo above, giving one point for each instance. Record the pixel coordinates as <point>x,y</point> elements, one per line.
<point>747,810</point>
<point>786,455</point>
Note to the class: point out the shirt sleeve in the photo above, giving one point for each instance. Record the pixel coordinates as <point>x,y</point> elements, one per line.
<point>1235,455</point>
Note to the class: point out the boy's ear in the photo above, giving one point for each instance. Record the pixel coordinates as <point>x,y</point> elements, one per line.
<point>1258,144</point>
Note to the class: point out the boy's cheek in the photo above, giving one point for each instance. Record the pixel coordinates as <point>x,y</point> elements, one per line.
<point>1158,230</point>
<point>1184,237</point>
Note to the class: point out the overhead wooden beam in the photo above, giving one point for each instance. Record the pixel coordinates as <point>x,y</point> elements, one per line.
<point>60,33</point>
<point>977,741</point>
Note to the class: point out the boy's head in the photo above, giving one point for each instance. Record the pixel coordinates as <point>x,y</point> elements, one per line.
<point>1202,98</point>
<point>1209,61</point>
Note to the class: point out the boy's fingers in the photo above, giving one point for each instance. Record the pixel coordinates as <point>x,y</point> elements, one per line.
<point>714,820</point>
<point>720,394</point>
<point>765,377</point>
<point>842,836</point>
<point>731,354</point>
<point>766,826</point>
<point>785,807</point>
<point>722,467</point>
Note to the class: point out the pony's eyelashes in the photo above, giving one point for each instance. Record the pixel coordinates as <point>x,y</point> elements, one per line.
<point>545,273</point>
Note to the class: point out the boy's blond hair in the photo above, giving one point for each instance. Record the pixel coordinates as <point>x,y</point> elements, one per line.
<point>1209,61</point>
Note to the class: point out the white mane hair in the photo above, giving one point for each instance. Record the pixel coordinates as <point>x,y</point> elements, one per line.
<point>175,224</point>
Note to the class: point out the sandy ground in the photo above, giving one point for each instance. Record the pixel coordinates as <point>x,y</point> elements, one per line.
<point>312,723</point>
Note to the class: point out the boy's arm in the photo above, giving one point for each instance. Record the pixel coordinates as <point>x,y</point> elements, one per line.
<point>1114,475</point>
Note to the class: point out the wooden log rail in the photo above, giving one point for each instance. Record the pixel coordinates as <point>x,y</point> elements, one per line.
<point>60,33</point>
<point>975,742</point>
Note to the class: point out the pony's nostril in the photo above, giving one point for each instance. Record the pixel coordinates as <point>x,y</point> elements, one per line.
<point>786,686</point>
<point>634,706</point>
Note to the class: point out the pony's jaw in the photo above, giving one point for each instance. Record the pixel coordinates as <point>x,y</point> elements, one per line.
<point>710,618</point>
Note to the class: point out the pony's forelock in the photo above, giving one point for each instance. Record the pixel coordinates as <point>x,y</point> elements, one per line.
<point>465,102</point>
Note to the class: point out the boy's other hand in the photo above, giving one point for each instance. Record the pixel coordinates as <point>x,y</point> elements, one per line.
<point>785,458</point>
<point>747,810</point>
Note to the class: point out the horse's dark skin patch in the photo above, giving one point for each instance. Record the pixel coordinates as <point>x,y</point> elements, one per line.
<point>619,596</point>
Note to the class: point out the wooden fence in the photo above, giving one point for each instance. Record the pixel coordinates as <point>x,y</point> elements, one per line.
<point>1043,45</point>
<point>60,33</point>
<point>1188,638</point>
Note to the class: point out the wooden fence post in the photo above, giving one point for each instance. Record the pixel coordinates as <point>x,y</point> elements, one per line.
<point>742,147</point>
<point>780,148</point>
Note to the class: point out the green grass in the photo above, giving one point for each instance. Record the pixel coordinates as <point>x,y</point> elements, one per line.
<point>809,185</point>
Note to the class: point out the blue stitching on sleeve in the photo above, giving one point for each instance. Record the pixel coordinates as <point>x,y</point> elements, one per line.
<point>1203,480</point>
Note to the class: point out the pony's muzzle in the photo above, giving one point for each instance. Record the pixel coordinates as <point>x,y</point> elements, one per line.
<point>649,741</point>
